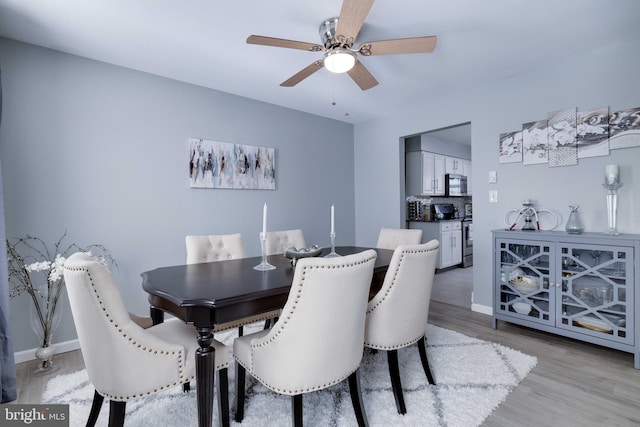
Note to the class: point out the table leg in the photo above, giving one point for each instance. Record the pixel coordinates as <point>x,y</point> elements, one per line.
<point>157,315</point>
<point>205,370</point>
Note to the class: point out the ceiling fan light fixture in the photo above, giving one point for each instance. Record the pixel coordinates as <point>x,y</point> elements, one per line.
<point>339,60</point>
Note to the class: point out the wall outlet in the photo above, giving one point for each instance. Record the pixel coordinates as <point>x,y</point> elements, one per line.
<point>493,177</point>
<point>493,196</point>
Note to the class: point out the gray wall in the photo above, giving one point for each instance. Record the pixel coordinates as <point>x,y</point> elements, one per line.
<point>593,78</point>
<point>101,151</point>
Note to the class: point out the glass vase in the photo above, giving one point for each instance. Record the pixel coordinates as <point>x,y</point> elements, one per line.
<point>612,211</point>
<point>574,223</point>
<point>51,317</point>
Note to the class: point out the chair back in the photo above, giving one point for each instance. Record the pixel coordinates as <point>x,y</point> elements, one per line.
<point>391,238</point>
<point>318,340</point>
<point>214,248</point>
<point>397,315</point>
<point>277,241</point>
<point>122,359</point>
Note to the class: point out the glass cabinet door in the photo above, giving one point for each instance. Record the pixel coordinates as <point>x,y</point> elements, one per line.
<point>523,269</point>
<point>596,290</point>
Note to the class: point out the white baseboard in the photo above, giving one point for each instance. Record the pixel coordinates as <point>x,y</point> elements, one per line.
<point>484,309</point>
<point>61,347</point>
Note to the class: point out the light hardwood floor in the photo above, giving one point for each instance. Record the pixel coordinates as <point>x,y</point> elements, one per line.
<point>454,287</point>
<point>574,383</point>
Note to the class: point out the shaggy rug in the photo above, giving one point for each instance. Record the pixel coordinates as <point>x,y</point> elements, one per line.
<point>473,377</point>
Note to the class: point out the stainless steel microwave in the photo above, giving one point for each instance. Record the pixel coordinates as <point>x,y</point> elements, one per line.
<point>455,185</point>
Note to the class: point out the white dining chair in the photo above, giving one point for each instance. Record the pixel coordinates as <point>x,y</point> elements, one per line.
<point>397,315</point>
<point>277,241</point>
<point>391,238</point>
<point>124,361</point>
<point>309,350</point>
<point>221,247</point>
<point>210,248</point>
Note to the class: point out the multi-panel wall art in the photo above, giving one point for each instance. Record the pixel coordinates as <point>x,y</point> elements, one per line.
<point>215,164</point>
<point>568,135</point>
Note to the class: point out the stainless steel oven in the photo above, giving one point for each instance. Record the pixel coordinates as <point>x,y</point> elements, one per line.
<point>467,242</point>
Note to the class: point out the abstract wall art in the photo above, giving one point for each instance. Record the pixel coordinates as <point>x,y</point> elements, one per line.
<point>568,135</point>
<point>214,164</point>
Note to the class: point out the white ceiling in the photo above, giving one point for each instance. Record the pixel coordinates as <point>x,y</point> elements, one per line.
<point>203,42</point>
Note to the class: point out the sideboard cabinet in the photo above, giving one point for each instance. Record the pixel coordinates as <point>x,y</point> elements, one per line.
<point>580,286</point>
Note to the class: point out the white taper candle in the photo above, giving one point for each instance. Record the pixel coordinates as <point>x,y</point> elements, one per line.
<point>264,219</point>
<point>333,230</point>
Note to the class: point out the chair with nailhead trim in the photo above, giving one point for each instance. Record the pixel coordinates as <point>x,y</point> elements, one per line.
<point>397,315</point>
<point>302,353</point>
<point>213,248</point>
<point>391,238</point>
<point>277,241</point>
<point>123,360</point>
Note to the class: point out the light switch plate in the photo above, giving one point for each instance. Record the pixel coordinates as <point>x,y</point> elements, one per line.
<point>493,196</point>
<point>493,177</point>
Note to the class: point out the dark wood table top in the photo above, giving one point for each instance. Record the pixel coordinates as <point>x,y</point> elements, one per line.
<point>217,292</point>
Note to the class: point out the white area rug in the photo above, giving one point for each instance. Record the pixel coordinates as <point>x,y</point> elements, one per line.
<point>473,377</point>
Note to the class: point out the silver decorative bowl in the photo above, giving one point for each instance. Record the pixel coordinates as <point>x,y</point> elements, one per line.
<point>295,254</point>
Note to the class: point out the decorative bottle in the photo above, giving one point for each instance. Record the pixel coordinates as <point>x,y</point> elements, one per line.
<point>574,224</point>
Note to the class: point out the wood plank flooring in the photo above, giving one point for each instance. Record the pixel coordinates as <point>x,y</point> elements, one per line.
<point>574,383</point>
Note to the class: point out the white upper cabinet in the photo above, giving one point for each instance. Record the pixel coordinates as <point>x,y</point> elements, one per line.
<point>426,172</point>
<point>454,166</point>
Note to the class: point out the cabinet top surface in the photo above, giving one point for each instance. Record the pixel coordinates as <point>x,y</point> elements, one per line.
<point>559,236</point>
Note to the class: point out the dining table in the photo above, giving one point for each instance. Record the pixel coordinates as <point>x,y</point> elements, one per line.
<point>208,294</point>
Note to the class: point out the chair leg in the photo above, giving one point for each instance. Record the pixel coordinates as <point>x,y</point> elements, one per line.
<point>223,398</point>
<point>296,410</point>
<point>425,363</point>
<point>95,409</point>
<point>240,331</point>
<point>240,375</point>
<point>356,398</point>
<point>394,372</point>
<point>116,413</point>
<point>186,387</point>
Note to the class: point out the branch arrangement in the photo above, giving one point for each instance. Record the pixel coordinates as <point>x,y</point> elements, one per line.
<point>30,256</point>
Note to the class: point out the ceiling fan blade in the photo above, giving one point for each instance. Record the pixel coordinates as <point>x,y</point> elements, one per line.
<point>362,76</point>
<point>302,74</point>
<point>291,44</point>
<point>425,44</point>
<point>351,18</point>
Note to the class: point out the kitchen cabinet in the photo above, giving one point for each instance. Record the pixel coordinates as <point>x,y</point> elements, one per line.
<point>454,165</point>
<point>425,173</point>
<point>578,286</point>
<point>449,234</point>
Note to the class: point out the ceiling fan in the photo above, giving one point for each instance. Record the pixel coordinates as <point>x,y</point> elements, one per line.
<point>338,36</point>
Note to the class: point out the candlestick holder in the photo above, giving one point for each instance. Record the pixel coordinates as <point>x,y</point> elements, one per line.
<point>612,206</point>
<point>333,252</point>
<point>264,265</point>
